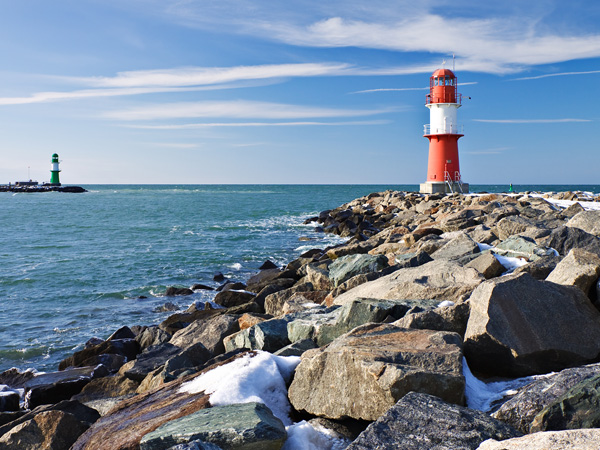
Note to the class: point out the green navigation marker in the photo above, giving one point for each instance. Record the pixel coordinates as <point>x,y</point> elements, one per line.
<point>54,180</point>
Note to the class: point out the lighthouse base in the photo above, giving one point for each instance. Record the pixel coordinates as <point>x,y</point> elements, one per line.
<point>433,187</point>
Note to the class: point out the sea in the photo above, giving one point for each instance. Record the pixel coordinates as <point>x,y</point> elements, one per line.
<point>77,266</point>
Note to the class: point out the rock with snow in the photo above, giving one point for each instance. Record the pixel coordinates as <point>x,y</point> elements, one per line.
<point>421,422</point>
<point>588,221</point>
<point>579,268</point>
<point>563,440</point>
<point>440,280</point>
<point>247,425</point>
<point>365,372</point>
<point>521,326</point>
<point>526,404</point>
<point>522,247</point>
<point>487,265</point>
<point>209,333</point>
<point>49,430</point>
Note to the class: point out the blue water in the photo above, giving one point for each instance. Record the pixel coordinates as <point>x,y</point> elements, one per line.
<point>73,266</point>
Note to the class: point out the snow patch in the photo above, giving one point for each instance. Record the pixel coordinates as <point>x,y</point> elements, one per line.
<point>445,303</point>
<point>510,263</point>
<point>304,436</point>
<point>255,377</point>
<point>481,395</point>
<point>484,247</point>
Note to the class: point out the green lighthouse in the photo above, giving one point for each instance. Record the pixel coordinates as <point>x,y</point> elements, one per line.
<point>54,177</point>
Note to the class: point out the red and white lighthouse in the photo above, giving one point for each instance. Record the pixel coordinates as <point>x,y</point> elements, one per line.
<point>443,132</point>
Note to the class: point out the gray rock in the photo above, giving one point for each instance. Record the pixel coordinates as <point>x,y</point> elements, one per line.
<point>277,285</point>
<point>296,348</point>
<point>274,302</point>
<point>440,280</point>
<point>517,225</point>
<point>540,268</point>
<point>318,277</point>
<point>9,400</point>
<point>309,325</point>
<point>233,298</point>
<point>52,387</point>
<point>521,409</point>
<point>49,430</point>
<point>521,326</point>
<point>16,378</point>
<point>269,335</point>
<point>579,268</point>
<point>422,422</point>
<point>521,246</point>
<point>149,360</point>
<point>346,267</point>
<point>129,348</point>
<point>446,318</point>
<point>487,265</point>
<point>483,234</point>
<point>460,246</point>
<point>588,221</point>
<point>248,425</point>
<point>152,336</point>
<point>563,440</point>
<point>365,372</point>
<point>563,239</point>
<point>579,407</point>
<point>209,332</point>
<point>173,291</point>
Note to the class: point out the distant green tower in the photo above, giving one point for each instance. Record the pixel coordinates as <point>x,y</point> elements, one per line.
<point>54,177</point>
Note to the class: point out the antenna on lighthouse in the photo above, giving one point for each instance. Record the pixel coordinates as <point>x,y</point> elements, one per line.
<point>453,70</point>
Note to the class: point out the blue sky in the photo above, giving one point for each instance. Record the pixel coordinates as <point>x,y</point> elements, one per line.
<point>230,91</point>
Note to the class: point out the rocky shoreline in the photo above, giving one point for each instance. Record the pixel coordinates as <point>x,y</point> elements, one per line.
<point>366,345</point>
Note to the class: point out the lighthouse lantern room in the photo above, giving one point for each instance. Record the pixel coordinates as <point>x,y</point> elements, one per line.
<point>443,132</point>
<point>54,180</point>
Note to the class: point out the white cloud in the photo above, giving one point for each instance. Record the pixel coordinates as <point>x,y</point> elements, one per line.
<point>368,91</point>
<point>562,74</point>
<point>238,109</point>
<point>531,120</point>
<point>258,124</point>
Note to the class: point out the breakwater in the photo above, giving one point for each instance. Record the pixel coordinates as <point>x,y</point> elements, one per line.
<point>393,310</point>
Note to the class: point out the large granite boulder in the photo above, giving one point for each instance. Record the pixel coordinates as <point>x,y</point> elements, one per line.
<point>540,268</point>
<point>151,336</point>
<point>579,407</point>
<point>521,326</point>
<point>563,239</point>
<point>451,317</point>
<point>549,440</point>
<point>247,425</point>
<point>440,280</point>
<point>52,387</point>
<point>346,267</point>
<point>588,221</point>
<point>579,268</point>
<point>460,246</point>
<point>209,333</point>
<point>421,422</point>
<point>523,247</point>
<point>233,298</point>
<point>487,265</point>
<point>149,360</point>
<point>274,302</point>
<point>521,409</point>
<point>48,430</point>
<point>365,372</point>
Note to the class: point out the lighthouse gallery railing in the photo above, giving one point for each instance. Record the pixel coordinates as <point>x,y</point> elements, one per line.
<point>448,129</point>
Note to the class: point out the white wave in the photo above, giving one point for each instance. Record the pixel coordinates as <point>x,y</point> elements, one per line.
<point>235,266</point>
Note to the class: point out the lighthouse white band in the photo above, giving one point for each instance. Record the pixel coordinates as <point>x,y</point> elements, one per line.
<point>442,119</point>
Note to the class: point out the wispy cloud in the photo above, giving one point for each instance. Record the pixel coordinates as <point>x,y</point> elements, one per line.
<point>181,145</point>
<point>562,74</point>
<point>368,91</point>
<point>237,109</point>
<point>566,120</point>
<point>491,151</point>
<point>259,124</point>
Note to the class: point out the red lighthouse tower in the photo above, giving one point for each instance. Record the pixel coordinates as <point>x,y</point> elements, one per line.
<point>443,132</point>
